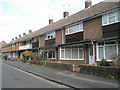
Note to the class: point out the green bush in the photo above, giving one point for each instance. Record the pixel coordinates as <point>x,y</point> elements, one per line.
<point>39,59</point>
<point>2,56</point>
<point>103,62</point>
<point>27,55</point>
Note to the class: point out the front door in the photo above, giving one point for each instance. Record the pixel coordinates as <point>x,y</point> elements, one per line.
<point>91,57</point>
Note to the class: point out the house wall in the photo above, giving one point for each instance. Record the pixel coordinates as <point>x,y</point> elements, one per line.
<point>58,39</point>
<point>93,28</point>
<point>42,41</point>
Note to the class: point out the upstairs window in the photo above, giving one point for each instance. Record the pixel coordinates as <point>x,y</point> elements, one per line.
<point>74,29</point>
<point>111,18</point>
<point>36,39</point>
<point>50,36</point>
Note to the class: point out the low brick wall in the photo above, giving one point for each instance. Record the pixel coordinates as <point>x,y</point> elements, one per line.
<point>109,72</point>
<point>60,66</point>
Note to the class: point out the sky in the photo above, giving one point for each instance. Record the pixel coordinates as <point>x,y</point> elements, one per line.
<point>20,16</point>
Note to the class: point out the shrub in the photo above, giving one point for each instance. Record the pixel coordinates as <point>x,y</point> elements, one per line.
<point>2,56</point>
<point>103,62</point>
<point>37,57</point>
<point>27,55</point>
<point>116,59</point>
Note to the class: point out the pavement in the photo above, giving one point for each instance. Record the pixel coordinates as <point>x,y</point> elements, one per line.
<point>71,79</point>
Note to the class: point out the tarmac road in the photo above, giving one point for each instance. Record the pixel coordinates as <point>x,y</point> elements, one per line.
<point>13,78</point>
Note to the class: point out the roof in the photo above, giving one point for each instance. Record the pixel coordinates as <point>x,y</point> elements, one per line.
<point>2,43</point>
<point>86,13</point>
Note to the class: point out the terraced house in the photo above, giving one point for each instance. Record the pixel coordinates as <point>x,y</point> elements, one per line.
<point>85,37</point>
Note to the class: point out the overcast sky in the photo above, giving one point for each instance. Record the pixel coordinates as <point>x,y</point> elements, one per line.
<point>20,16</point>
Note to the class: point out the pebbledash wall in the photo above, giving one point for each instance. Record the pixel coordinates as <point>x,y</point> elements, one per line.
<point>85,37</point>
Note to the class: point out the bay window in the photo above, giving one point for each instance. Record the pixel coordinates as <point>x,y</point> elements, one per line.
<point>107,49</point>
<point>71,53</point>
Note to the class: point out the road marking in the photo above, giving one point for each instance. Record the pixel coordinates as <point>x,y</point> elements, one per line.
<point>40,78</point>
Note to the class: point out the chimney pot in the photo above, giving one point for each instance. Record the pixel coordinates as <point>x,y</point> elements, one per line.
<point>30,31</point>
<point>50,21</point>
<point>12,39</point>
<point>15,37</point>
<point>19,36</point>
<point>65,14</point>
<point>88,3</point>
<point>24,34</point>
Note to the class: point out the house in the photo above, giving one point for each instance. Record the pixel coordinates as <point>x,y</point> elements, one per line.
<point>85,37</point>
<point>1,45</point>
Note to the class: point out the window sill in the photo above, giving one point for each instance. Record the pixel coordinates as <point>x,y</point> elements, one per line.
<point>110,23</point>
<point>107,60</point>
<point>74,32</point>
<point>72,59</point>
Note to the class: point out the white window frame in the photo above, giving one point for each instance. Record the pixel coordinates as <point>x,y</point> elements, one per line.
<point>52,54</point>
<point>116,44</point>
<point>108,16</point>
<point>67,32</point>
<point>50,34</point>
<point>71,53</point>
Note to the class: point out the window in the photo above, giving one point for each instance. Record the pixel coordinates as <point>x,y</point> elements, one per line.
<point>75,51</point>
<point>62,53</point>
<point>104,19</point>
<point>119,47</point>
<point>111,18</point>
<point>49,54</point>
<point>101,53</point>
<point>74,29</point>
<point>36,39</point>
<point>118,15</point>
<point>72,53</point>
<point>107,50</point>
<point>50,36</point>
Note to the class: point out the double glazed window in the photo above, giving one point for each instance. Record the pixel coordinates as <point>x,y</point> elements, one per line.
<point>107,49</point>
<point>72,53</point>
<point>36,39</point>
<point>50,36</point>
<point>74,29</point>
<point>111,17</point>
<point>49,54</point>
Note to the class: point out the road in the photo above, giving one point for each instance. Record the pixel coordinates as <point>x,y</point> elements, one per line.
<point>14,78</point>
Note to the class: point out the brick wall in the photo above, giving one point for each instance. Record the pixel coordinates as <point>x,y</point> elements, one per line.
<point>86,54</point>
<point>58,39</point>
<point>42,41</point>
<point>61,66</point>
<point>77,62</point>
<point>100,71</point>
<point>93,29</point>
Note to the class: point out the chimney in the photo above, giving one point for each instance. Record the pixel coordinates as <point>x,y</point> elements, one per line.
<point>12,39</point>
<point>30,31</point>
<point>19,36</point>
<point>15,37</point>
<point>88,3</point>
<point>50,21</point>
<point>24,34</point>
<point>65,14</point>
